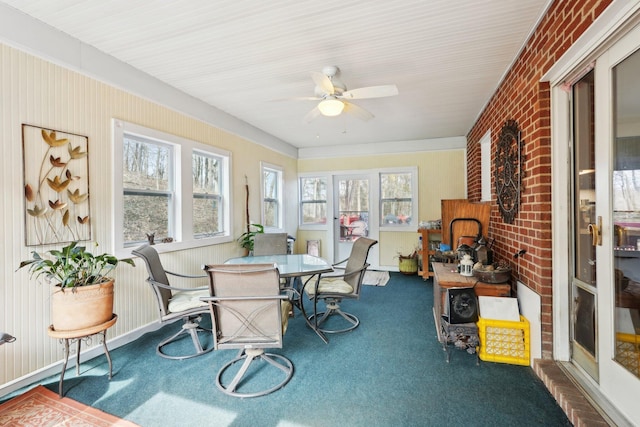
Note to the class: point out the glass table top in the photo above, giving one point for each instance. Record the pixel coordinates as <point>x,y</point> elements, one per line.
<point>288,265</point>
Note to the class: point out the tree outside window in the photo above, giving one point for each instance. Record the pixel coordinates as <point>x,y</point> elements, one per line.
<point>396,202</point>
<point>168,187</point>
<point>313,200</point>
<point>271,202</point>
<point>207,198</point>
<point>148,189</point>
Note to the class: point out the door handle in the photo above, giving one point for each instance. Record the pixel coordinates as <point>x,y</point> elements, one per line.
<point>596,232</point>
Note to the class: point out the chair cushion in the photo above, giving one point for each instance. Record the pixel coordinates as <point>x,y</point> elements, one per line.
<point>285,306</point>
<point>186,300</point>
<point>329,285</point>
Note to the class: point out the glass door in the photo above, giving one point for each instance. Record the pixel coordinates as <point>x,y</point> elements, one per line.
<point>625,179</point>
<point>604,302</point>
<point>586,230</point>
<point>352,206</point>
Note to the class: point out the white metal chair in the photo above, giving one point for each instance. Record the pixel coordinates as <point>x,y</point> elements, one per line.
<point>249,313</point>
<point>175,303</point>
<point>270,244</point>
<point>332,289</point>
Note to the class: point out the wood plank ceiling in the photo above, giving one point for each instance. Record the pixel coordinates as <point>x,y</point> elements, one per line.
<point>246,57</point>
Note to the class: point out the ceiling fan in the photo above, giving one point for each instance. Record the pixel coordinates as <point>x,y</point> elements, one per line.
<point>333,95</point>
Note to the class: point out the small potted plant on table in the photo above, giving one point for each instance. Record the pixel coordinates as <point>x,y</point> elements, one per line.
<point>246,239</point>
<point>83,294</point>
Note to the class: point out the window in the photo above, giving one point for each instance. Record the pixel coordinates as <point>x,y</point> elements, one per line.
<point>397,198</point>
<point>208,215</point>
<point>271,196</point>
<point>172,188</point>
<point>148,188</point>
<point>313,200</point>
<point>485,166</point>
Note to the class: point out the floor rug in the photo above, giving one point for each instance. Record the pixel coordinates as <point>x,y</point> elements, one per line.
<point>41,407</point>
<point>376,278</point>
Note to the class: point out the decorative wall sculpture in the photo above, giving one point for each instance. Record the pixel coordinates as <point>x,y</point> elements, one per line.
<point>56,186</point>
<point>508,170</point>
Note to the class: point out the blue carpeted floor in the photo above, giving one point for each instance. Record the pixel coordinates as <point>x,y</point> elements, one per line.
<point>390,371</point>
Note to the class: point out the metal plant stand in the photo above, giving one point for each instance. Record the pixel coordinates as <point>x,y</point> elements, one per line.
<point>68,337</point>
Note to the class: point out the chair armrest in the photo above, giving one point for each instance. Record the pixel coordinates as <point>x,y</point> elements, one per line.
<point>187,276</point>
<point>332,276</point>
<point>290,292</point>
<point>174,288</point>
<point>245,298</point>
<point>344,261</point>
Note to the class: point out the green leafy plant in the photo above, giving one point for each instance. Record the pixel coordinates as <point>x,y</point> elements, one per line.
<point>72,266</point>
<point>246,238</point>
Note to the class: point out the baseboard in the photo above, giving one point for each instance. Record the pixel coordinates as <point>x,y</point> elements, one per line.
<point>88,354</point>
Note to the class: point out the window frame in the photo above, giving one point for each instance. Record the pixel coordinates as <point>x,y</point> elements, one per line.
<point>374,177</point>
<point>264,166</point>
<point>181,220</point>
<point>485,166</point>
<point>219,198</point>
<point>413,225</point>
<point>326,201</point>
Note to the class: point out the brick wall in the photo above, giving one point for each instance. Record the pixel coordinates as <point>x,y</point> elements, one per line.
<point>523,98</point>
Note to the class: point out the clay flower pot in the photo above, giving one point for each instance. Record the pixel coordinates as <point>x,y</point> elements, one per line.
<point>81,307</point>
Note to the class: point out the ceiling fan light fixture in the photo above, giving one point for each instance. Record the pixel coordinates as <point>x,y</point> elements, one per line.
<point>331,106</point>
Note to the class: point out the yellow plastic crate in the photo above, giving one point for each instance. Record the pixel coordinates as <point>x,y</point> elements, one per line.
<point>504,341</point>
<point>628,351</point>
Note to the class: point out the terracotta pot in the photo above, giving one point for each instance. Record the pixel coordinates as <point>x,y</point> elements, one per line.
<point>82,307</point>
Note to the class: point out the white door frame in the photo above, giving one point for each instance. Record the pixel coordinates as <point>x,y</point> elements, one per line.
<point>373,222</point>
<point>606,32</point>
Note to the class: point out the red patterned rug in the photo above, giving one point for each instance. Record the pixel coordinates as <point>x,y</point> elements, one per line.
<point>41,407</point>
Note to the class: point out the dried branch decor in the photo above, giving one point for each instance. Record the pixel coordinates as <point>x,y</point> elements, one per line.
<point>56,186</point>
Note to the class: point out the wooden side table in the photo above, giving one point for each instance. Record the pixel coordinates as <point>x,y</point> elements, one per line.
<point>78,336</point>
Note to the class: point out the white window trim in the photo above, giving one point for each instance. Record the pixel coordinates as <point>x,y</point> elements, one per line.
<point>374,178</point>
<point>329,178</point>
<point>183,207</point>
<point>485,169</point>
<point>279,196</point>
<point>413,170</point>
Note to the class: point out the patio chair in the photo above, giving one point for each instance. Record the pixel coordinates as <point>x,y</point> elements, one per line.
<point>332,289</point>
<point>247,311</point>
<point>176,303</point>
<point>270,244</point>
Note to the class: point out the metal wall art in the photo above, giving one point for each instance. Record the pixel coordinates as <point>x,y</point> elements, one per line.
<point>509,170</point>
<point>56,186</point>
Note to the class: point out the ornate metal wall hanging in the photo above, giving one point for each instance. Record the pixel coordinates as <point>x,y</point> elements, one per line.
<point>56,186</point>
<point>509,170</point>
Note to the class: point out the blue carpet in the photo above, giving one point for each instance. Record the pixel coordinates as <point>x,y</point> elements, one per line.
<point>390,371</point>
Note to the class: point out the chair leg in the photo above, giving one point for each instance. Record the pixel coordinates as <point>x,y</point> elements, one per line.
<point>191,326</point>
<point>333,307</point>
<point>247,356</point>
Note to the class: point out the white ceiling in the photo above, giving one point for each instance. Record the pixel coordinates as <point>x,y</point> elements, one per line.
<point>244,56</point>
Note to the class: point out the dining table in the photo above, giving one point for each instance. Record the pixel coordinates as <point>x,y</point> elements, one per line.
<point>295,267</point>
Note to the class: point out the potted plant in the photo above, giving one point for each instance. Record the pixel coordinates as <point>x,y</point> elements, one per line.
<point>408,264</point>
<point>246,238</point>
<point>83,295</point>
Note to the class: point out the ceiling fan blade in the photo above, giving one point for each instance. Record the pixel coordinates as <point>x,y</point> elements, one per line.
<point>323,82</point>
<point>371,92</point>
<point>356,111</point>
<point>299,98</point>
<point>312,115</point>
